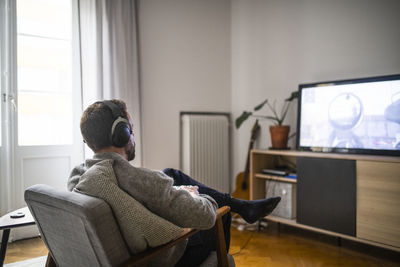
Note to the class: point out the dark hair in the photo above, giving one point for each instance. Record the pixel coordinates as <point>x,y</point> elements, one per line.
<point>96,123</point>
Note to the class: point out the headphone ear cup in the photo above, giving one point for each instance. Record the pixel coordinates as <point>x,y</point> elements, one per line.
<point>122,134</point>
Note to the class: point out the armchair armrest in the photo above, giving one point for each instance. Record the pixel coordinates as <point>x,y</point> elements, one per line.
<point>220,238</point>
<point>222,211</point>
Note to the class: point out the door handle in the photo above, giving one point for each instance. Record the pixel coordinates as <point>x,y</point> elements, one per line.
<point>10,98</point>
<point>13,102</point>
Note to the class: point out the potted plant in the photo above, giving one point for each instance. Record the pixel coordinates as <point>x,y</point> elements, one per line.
<point>279,132</point>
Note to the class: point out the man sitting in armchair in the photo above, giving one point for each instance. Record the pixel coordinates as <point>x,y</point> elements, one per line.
<point>174,199</point>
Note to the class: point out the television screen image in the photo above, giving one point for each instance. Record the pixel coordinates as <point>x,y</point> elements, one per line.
<point>359,116</point>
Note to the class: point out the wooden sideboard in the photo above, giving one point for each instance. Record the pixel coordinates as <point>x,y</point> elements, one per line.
<point>376,193</point>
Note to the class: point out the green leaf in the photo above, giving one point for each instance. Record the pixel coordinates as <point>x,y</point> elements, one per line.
<point>258,107</point>
<point>242,118</point>
<point>292,96</point>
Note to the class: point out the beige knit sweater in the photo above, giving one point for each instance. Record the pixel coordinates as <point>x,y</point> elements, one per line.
<point>139,226</point>
<point>148,209</point>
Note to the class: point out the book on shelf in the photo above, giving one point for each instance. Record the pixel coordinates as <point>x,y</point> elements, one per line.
<point>282,173</point>
<point>291,176</point>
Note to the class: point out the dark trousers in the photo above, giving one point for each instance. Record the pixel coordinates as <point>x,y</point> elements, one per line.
<point>202,243</point>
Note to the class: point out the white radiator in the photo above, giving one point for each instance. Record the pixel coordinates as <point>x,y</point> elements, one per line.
<point>205,149</point>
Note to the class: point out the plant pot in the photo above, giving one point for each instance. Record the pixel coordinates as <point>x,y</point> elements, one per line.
<point>279,135</point>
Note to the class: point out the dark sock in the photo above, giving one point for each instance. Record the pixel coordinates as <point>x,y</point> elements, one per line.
<point>253,210</point>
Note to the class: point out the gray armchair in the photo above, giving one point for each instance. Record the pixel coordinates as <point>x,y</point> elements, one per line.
<point>80,230</point>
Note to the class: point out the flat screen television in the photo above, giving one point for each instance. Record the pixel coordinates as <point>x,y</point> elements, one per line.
<point>360,116</point>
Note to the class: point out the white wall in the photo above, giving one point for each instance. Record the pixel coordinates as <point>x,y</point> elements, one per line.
<point>277,45</point>
<point>220,55</point>
<point>185,66</point>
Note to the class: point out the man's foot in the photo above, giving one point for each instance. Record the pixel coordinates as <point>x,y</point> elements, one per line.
<point>256,209</point>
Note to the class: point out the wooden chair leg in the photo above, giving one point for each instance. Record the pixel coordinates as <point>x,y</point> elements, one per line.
<point>50,262</point>
<point>220,238</point>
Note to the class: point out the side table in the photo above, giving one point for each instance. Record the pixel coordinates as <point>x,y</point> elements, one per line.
<point>7,223</point>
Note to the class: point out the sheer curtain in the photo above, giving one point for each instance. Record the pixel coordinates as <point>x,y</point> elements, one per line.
<point>109,57</point>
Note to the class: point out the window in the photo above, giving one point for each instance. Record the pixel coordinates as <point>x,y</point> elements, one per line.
<point>41,96</point>
<point>44,70</point>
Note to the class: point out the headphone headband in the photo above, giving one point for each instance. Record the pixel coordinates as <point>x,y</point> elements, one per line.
<point>116,112</point>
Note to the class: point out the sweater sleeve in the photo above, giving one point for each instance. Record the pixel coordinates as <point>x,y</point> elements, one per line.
<point>187,210</point>
<point>76,173</point>
<point>156,191</point>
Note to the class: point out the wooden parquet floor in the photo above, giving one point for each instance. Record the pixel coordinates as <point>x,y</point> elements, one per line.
<point>287,246</point>
<point>269,247</point>
<point>25,249</point>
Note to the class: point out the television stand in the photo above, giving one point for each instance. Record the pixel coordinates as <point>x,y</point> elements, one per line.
<point>376,193</point>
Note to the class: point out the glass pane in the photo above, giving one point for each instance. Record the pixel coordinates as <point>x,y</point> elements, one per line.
<point>44,119</point>
<point>44,64</point>
<point>46,18</point>
<point>44,57</point>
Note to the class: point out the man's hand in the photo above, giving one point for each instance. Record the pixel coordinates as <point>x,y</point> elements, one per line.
<point>192,189</point>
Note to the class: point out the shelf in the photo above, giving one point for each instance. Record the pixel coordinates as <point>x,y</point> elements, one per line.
<point>275,178</point>
<point>295,153</point>
<point>322,231</point>
<point>281,220</point>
